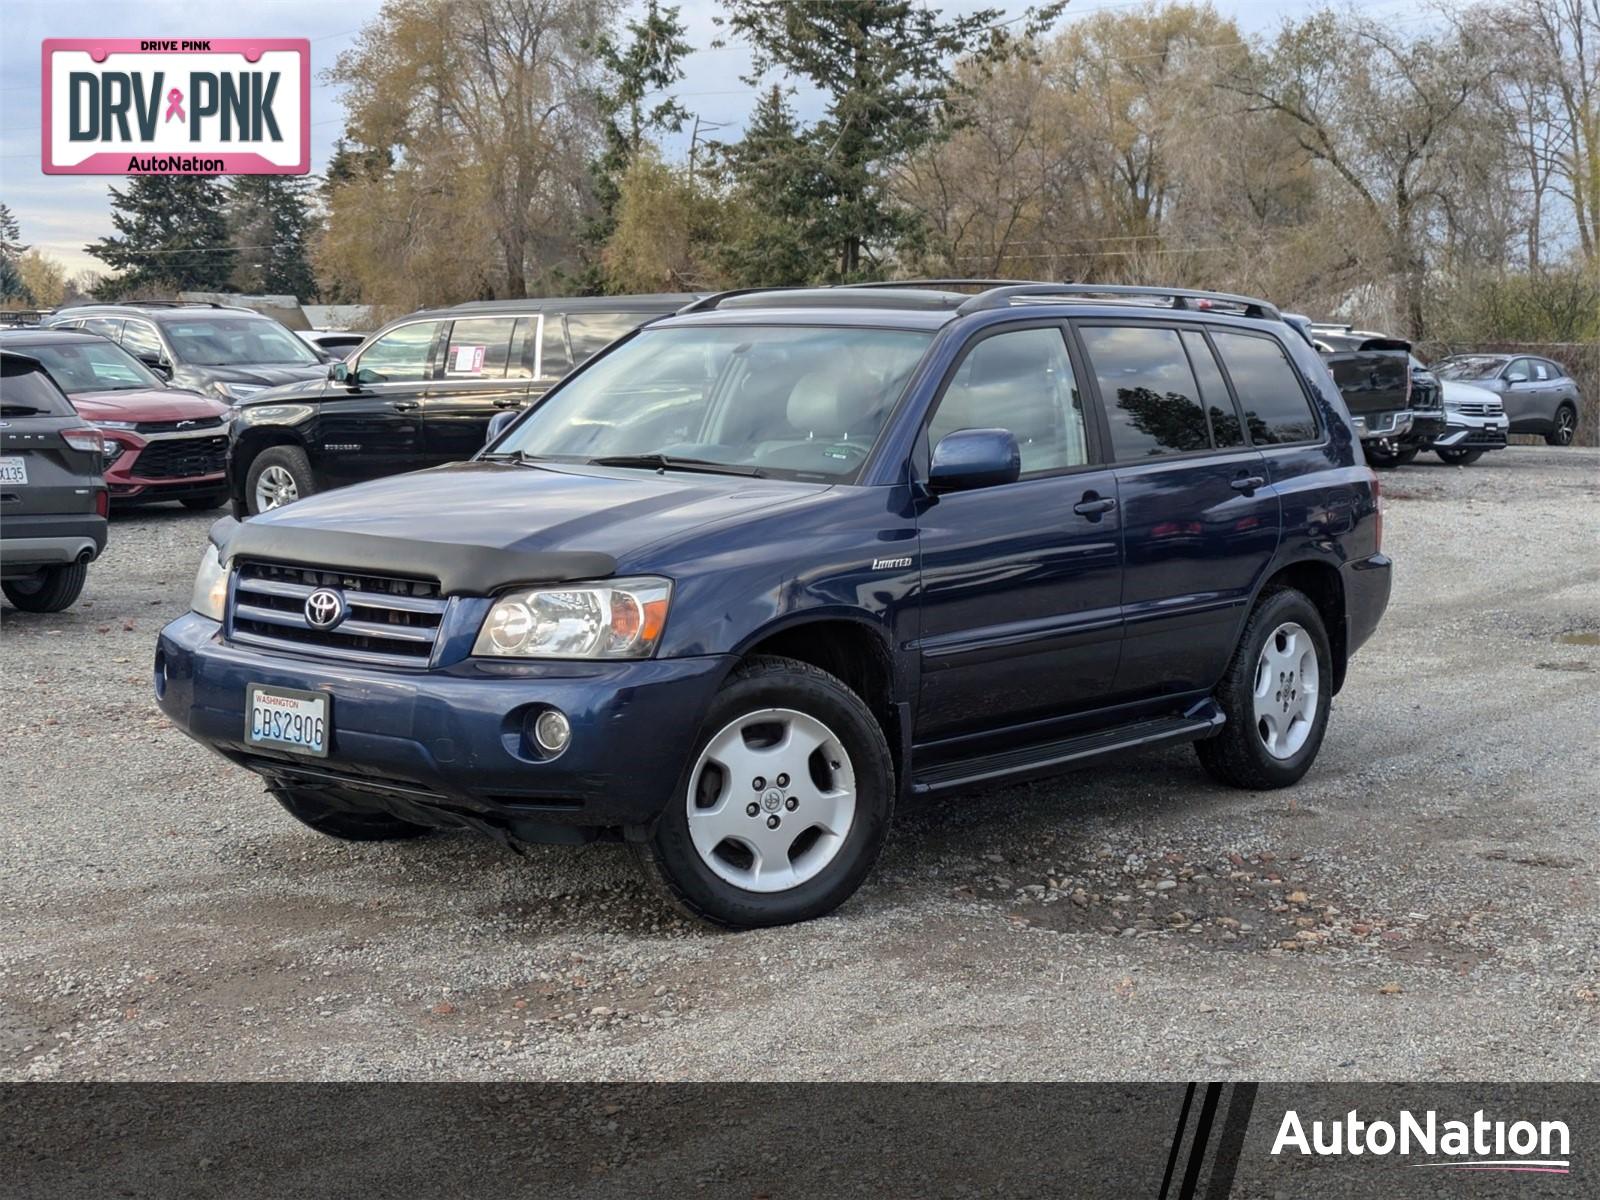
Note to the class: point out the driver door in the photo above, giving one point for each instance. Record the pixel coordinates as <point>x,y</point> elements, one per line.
<point>371,424</point>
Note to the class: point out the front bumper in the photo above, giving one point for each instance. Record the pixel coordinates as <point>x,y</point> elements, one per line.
<point>448,746</point>
<point>1464,432</point>
<point>168,465</point>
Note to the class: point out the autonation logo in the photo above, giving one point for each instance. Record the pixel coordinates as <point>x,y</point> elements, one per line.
<point>1476,1145</point>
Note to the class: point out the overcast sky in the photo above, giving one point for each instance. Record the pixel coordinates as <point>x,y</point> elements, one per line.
<point>60,213</point>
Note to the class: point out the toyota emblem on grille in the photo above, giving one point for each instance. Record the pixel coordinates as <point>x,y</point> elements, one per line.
<point>324,608</point>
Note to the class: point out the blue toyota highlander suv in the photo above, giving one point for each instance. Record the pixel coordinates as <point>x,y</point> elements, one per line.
<point>767,566</point>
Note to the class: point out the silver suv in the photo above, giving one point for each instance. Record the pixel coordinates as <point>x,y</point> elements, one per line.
<point>1538,394</point>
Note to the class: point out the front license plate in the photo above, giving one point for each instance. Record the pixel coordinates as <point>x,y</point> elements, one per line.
<point>13,470</point>
<point>288,719</point>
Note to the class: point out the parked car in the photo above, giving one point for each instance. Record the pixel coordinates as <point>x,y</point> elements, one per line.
<point>229,353</point>
<point>1395,399</point>
<point>335,343</point>
<point>161,443</point>
<point>420,392</point>
<point>1476,423</point>
<point>762,569</point>
<point>1538,394</point>
<point>52,499</point>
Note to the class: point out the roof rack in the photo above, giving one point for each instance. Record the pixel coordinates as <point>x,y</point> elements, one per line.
<point>946,283</point>
<point>1179,298</point>
<point>149,304</point>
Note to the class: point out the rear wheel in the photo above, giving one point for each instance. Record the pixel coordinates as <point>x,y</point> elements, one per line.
<point>1276,696</point>
<point>1406,456</point>
<point>1565,427</point>
<point>348,824</point>
<point>1459,456</point>
<point>51,590</point>
<point>1380,454</point>
<point>785,804</point>
<point>279,475</point>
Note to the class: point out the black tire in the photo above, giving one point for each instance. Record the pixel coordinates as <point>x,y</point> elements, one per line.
<point>204,503</point>
<point>1407,456</point>
<point>1565,427</point>
<point>51,590</point>
<point>291,459</point>
<point>1378,456</point>
<point>1459,456</point>
<point>1237,756</point>
<point>347,824</point>
<point>669,858</point>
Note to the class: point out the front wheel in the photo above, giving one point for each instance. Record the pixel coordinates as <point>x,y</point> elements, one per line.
<point>1459,457</point>
<point>339,821</point>
<point>1380,455</point>
<point>51,590</point>
<point>785,804</point>
<point>1275,695</point>
<point>1565,427</point>
<point>1406,456</point>
<point>279,475</point>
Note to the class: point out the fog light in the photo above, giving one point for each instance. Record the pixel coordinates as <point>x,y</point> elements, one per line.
<point>552,731</point>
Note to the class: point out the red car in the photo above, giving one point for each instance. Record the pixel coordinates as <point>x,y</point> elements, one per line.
<point>162,443</point>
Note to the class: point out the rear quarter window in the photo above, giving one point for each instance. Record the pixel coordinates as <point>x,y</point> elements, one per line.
<point>1276,410</point>
<point>591,332</point>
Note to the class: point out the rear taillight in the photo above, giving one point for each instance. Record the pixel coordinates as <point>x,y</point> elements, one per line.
<point>102,503</point>
<point>88,439</point>
<point>1377,508</point>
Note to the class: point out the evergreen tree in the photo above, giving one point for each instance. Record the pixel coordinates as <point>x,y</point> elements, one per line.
<point>649,62</point>
<point>270,222</point>
<point>172,235</point>
<point>771,233</point>
<point>888,67</point>
<point>11,251</point>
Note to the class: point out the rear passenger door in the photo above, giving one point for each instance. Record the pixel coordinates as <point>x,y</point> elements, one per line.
<point>1200,518</point>
<point>483,374</point>
<point>1021,582</point>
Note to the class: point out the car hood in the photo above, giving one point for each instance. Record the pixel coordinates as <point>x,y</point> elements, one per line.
<point>1468,393</point>
<point>264,375</point>
<point>146,404</point>
<point>299,390</point>
<point>552,521</point>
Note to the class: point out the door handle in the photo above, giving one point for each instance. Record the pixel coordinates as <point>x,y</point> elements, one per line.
<point>1247,483</point>
<point>406,405</point>
<point>1092,506</point>
<point>510,403</point>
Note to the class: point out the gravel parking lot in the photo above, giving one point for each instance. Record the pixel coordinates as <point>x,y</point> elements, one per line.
<point>1423,906</point>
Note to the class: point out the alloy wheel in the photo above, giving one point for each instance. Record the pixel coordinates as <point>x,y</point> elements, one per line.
<point>1566,424</point>
<point>771,800</point>
<point>1286,690</point>
<point>275,487</point>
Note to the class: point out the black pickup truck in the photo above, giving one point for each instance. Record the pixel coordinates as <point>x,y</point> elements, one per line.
<point>1396,403</point>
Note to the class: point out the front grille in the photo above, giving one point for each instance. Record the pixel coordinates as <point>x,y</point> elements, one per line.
<point>181,458</point>
<point>1478,410</point>
<point>177,426</point>
<point>391,622</point>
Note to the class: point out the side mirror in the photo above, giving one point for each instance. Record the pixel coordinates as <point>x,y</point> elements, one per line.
<point>499,423</point>
<point>974,458</point>
<point>338,372</point>
<point>157,364</point>
<point>1516,377</point>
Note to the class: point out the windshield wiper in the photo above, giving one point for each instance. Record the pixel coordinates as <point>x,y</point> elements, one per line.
<point>519,457</point>
<point>668,462</point>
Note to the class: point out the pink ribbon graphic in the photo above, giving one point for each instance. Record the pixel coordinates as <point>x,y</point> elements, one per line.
<point>175,105</point>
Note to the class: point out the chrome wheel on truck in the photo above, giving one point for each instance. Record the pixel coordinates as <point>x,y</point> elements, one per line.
<point>771,800</point>
<point>275,487</point>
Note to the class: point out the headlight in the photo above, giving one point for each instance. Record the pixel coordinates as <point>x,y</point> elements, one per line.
<point>117,424</point>
<point>237,391</point>
<point>622,618</point>
<point>210,585</point>
<point>113,451</point>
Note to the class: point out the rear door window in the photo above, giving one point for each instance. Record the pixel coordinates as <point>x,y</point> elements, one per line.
<point>104,326</point>
<point>402,355</point>
<point>479,348</point>
<point>591,332</point>
<point>1226,432</point>
<point>28,391</point>
<point>1276,410</point>
<point>1151,397</point>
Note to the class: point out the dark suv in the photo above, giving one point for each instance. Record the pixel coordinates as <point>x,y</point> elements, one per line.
<point>419,392</point>
<point>53,501</point>
<point>762,569</point>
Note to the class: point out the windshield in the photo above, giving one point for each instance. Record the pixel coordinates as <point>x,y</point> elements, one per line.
<point>1474,366</point>
<point>93,367</point>
<point>236,341</point>
<point>801,402</point>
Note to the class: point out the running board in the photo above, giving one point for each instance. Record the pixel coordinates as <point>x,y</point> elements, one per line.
<point>1200,721</point>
